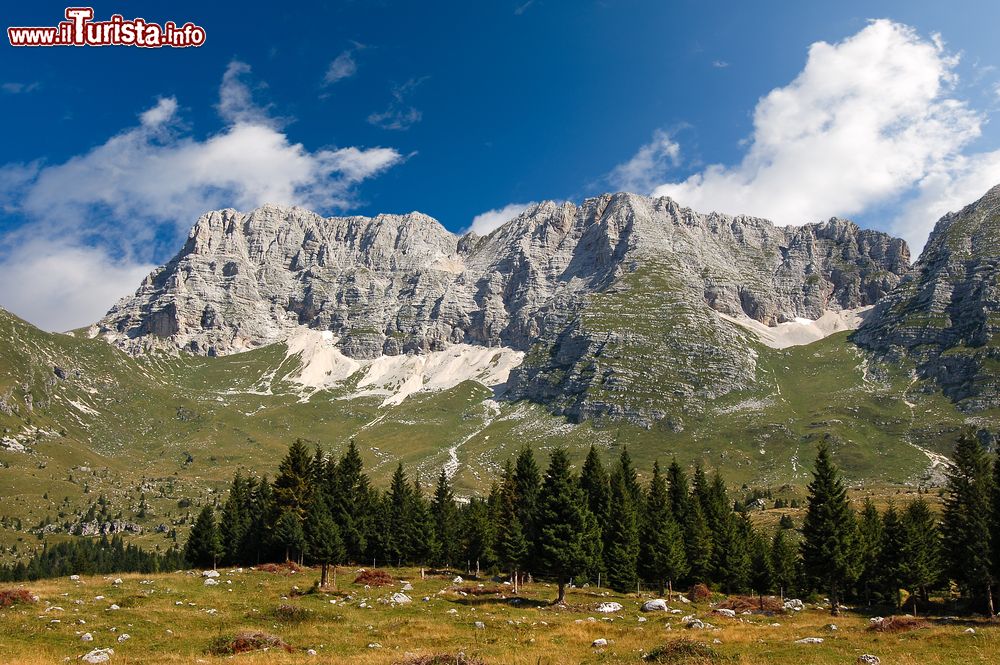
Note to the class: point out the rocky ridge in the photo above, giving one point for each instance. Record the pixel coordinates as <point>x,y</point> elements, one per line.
<point>945,314</point>
<point>623,305</point>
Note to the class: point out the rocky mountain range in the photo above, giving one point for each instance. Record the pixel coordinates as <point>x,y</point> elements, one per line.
<point>624,307</point>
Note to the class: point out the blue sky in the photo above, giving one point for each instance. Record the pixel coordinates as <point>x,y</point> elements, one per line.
<point>457,109</point>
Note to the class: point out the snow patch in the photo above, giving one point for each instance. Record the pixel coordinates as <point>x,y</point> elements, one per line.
<point>801,331</point>
<point>397,377</point>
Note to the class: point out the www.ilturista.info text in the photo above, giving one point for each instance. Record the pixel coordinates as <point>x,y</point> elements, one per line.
<point>79,29</point>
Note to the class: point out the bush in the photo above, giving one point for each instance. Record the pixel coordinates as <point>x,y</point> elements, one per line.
<point>246,641</point>
<point>441,659</point>
<point>11,597</point>
<point>286,613</point>
<point>700,592</point>
<point>896,624</point>
<point>764,604</point>
<point>375,578</point>
<point>682,651</point>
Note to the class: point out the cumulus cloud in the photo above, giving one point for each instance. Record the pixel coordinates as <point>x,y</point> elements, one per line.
<point>342,67</point>
<point>869,121</point>
<point>486,222</point>
<point>648,166</point>
<point>125,204</point>
<point>400,114</point>
<point>61,287</point>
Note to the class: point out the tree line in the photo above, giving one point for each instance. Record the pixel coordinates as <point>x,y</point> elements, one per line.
<point>602,526</point>
<point>91,556</point>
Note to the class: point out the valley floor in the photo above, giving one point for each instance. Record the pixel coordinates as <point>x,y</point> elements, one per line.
<point>175,617</point>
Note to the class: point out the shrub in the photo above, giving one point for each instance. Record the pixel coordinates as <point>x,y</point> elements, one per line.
<point>700,592</point>
<point>896,624</point>
<point>11,597</point>
<point>375,578</point>
<point>246,641</point>
<point>682,651</point>
<point>286,613</point>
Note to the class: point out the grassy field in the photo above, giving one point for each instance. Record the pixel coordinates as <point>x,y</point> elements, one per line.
<point>175,618</point>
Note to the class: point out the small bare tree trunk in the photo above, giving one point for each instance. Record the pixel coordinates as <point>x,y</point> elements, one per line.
<point>989,597</point>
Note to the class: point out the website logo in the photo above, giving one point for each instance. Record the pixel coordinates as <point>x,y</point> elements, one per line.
<point>80,29</point>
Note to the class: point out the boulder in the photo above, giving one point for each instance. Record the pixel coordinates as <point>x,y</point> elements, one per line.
<point>724,612</point>
<point>868,659</point>
<point>810,640</point>
<point>609,607</point>
<point>98,656</point>
<point>209,573</point>
<point>400,598</point>
<point>655,605</point>
<point>599,642</point>
<point>211,582</point>
<point>86,637</point>
<point>794,604</point>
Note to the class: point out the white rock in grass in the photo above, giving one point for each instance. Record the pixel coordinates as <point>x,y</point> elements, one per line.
<point>724,612</point>
<point>211,582</point>
<point>98,656</point>
<point>610,607</point>
<point>123,637</point>
<point>599,642</point>
<point>209,573</point>
<point>86,637</point>
<point>655,605</point>
<point>810,640</point>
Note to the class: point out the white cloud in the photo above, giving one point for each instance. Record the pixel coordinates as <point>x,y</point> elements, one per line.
<point>486,222</point>
<point>866,121</point>
<point>720,64</point>
<point>16,88</point>
<point>124,204</point>
<point>62,287</point>
<point>342,67</point>
<point>648,166</point>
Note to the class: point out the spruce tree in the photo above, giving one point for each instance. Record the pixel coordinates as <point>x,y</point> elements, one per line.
<point>289,536</point>
<point>398,503</point>
<point>511,545</point>
<point>353,503</point>
<point>621,549</point>
<point>784,563</point>
<point>629,476</point>
<point>890,564</point>
<point>698,544</point>
<point>869,548</point>
<point>528,480</point>
<point>445,517</point>
<point>661,544</point>
<point>322,539</point>
<point>477,534</point>
<point>829,532</point>
<point>677,488</point>
<point>967,519</point>
<point>565,524</point>
<point>235,520</point>
<point>204,547</point>
<point>761,574</point>
<point>921,552</point>
<point>293,486</point>
<point>595,485</point>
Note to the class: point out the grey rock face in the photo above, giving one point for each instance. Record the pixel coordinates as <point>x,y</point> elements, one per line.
<point>616,300</point>
<point>945,315</point>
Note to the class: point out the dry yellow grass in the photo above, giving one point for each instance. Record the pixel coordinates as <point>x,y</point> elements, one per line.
<point>532,633</point>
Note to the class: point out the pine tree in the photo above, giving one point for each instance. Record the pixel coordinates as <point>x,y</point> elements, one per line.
<point>677,487</point>
<point>477,534</point>
<point>529,485</point>
<point>829,532</point>
<point>322,539</point>
<point>398,504</point>
<point>293,486</point>
<point>621,550</point>
<point>565,524</point>
<point>204,547</point>
<point>869,548</point>
<point>921,552</point>
<point>235,520</point>
<point>784,562</point>
<point>662,558</point>
<point>354,503</point>
<point>445,516</point>
<point>967,518</point>
<point>761,575</point>
<point>289,536</point>
<point>890,562</point>
<point>629,476</point>
<point>511,545</point>
<point>698,544</point>
<point>595,485</point>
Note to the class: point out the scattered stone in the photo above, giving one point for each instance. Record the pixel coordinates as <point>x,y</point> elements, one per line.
<point>724,612</point>
<point>970,631</point>
<point>118,580</point>
<point>610,607</point>
<point>113,607</point>
<point>683,599</point>
<point>480,625</point>
<point>400,598</point>
<point>209,573</point>
<point>74,577</point>
<point>642,619</point>
<point>810,640</point>
<point>458,580</point>
<point>407,587</point>
<point>831,626</point>
<point>794,605</point>
<point>123,637</point>
<point>86,637</point>
<point>310,652</point>
<point>211,582</point>
<point>599,642</point>
<point>374,645</point>
<point>868,659</point>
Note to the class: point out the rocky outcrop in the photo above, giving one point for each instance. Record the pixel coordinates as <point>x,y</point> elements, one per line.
<point>945,315</point>
<point>616,302</point>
